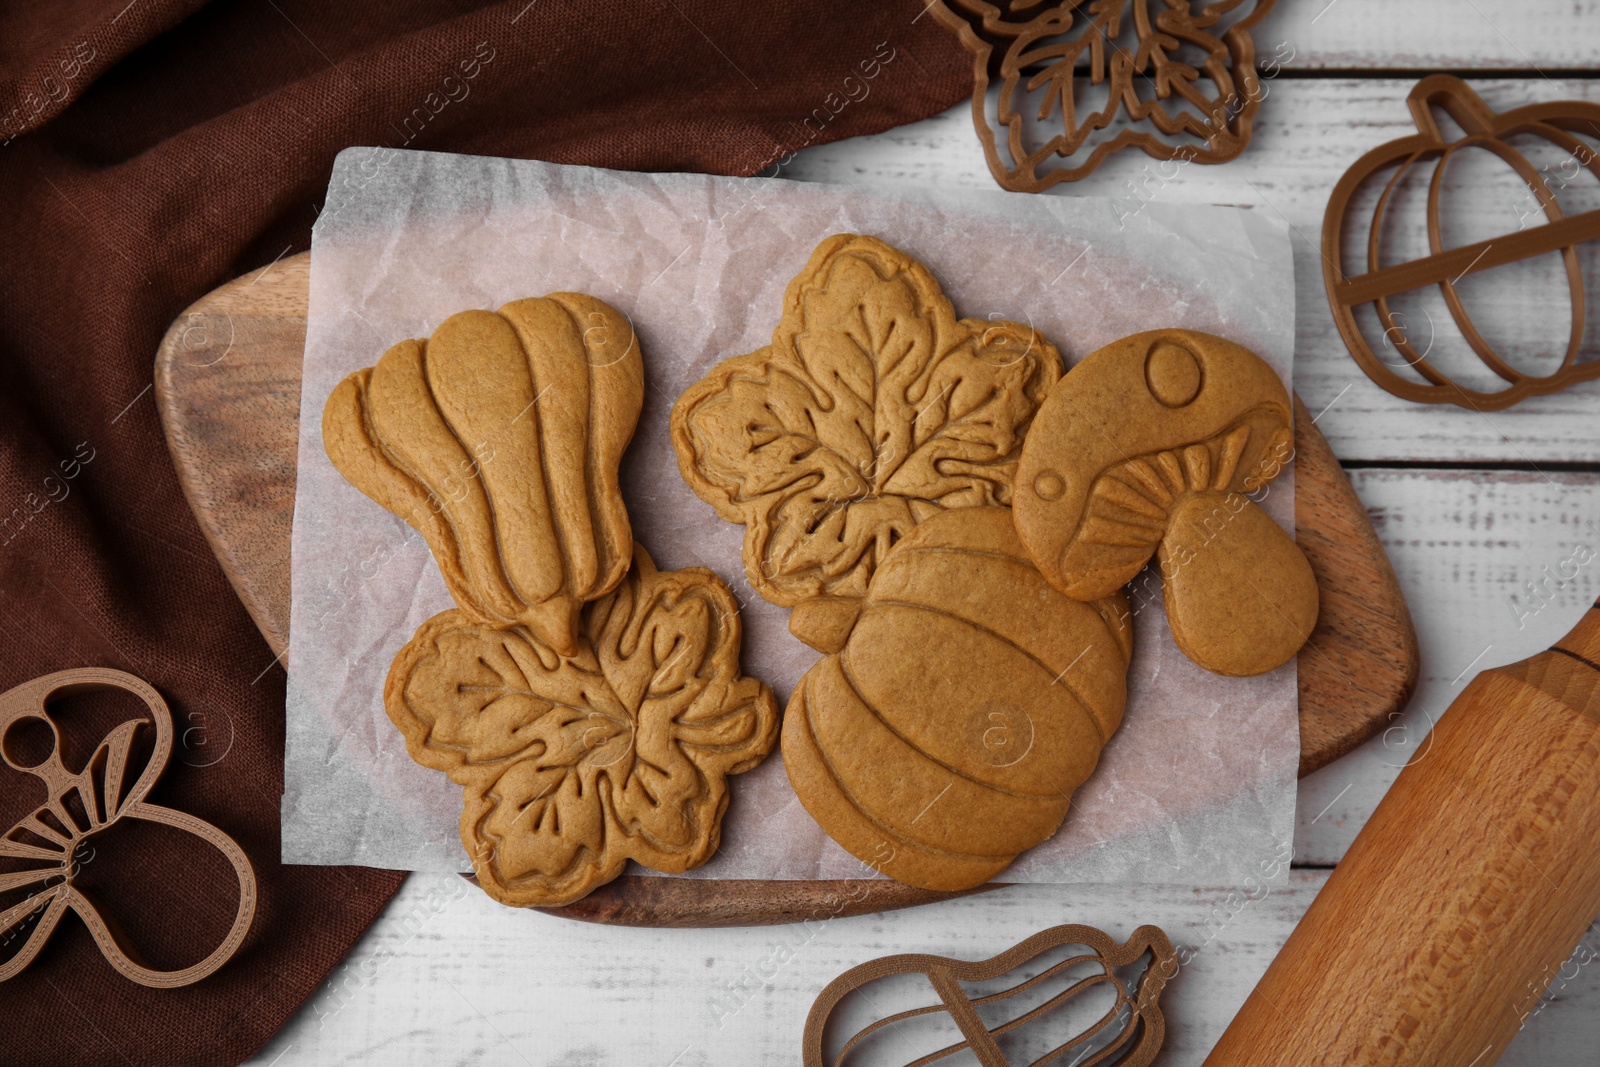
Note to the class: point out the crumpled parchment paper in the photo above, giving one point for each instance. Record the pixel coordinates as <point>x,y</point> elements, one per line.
<point>1197,787</point>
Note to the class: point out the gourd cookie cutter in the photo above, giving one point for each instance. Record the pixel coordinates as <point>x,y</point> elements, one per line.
<point>87,803</point>
<point>1135,1046</point>
<point>1444,267</point>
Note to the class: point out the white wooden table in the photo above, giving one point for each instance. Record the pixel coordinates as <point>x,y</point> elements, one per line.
<point>1470,508</point>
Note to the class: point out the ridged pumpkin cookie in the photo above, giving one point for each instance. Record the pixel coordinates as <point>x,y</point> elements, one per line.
<point>958,708</point>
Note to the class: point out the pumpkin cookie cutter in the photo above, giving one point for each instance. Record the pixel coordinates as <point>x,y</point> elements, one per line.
<point>1135,1045</point>
<point>1445,267</point>
<point>1040,49</point>
<point>81,805</point>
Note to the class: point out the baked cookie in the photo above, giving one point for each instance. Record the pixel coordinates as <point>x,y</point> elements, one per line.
<point>1149,445</point>
<point>961,704</point>
<point>572,766</point>
<point>873,408</point>
<point>498,438</point>
<point>591,712</point>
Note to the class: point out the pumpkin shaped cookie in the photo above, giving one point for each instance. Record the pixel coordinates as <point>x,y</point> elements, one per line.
<point>962,702</point>
<point>1150,443</point>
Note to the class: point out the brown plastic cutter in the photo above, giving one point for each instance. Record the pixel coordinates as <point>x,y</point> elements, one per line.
<point>1134,1046</point>
<point>1445,267</point>
<point>87,803</point>
<point>1052,46</point>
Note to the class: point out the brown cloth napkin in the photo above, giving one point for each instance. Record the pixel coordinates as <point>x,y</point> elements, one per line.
<point>151,150</point>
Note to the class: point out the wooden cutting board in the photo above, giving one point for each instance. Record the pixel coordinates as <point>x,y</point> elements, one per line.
<point>227,380</point>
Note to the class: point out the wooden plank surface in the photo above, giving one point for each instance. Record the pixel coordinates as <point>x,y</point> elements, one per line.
<point>1464,543</point>
<point>447,976</point>
<point>1308,132</point>
<point>1374,35</point>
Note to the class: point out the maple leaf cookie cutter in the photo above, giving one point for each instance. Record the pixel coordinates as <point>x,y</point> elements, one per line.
<point>81,805</point>
<point>1052,46</point>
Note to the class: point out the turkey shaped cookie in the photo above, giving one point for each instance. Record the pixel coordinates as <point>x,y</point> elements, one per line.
<point>1148,446</point>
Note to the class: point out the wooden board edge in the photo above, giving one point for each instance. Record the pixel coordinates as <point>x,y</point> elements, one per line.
<point>1334,650</point>
<point>1344,664</point>
<point>642,900</point>
<point>285,287</point>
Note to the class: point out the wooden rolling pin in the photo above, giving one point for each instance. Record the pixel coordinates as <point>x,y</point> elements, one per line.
<point>1440,930</point>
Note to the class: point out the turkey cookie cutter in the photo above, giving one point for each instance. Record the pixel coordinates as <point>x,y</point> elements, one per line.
<point>1486,129</point>
<point>100,801</point>
<point>1135,1046</point>
<point>1031,34</point>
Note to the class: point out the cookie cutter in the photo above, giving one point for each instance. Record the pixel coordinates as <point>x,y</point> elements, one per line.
<point>1135,1046</point>
<point>1485,129</point>
<point>82,805</point>
<point>1032,38</point>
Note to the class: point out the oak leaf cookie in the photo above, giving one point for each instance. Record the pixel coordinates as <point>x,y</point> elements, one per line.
<point>573,766</point>
<point>873,408</point>
<point>498,438</point>
<point>958,709</point>
<point>1149,445</point>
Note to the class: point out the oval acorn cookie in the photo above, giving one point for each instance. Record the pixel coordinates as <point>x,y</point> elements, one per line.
<point>961,702</point>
